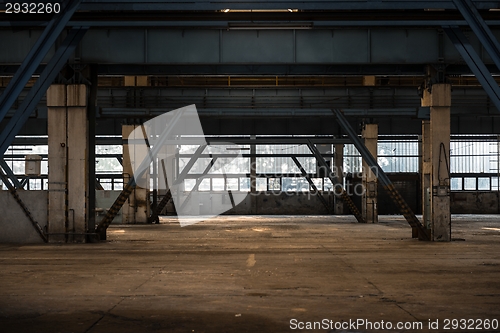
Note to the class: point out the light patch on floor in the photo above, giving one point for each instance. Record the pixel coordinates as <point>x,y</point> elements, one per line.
<point>251,260</point>
<point>495,229</point>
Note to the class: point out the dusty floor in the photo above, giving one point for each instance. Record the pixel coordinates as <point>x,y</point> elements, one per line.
<point>254,274</point>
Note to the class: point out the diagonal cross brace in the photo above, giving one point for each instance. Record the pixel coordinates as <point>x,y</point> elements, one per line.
<point>311,183</point>
<point>475,63</point>
<point>40,87</point>
<point>480,28</point>
<point>35,56</point>
<point>338,189</point>
<point>382,177</point>
<point>9,174</point>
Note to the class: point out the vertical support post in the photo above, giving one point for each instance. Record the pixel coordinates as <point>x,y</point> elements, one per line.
<point>439,101</point>
<point>339,172</point>
<point>91,117</point>
<point>68,172</point>
<point>57,142</point>
<point>253,177</point>
<point>136,208</point>
<point>426,167</point>
<point>369,199</point>
<point>77,161</point>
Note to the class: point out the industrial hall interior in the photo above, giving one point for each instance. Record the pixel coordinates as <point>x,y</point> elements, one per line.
<point>249,166</point>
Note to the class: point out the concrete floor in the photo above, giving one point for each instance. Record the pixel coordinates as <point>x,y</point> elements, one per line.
<point>253,274</point>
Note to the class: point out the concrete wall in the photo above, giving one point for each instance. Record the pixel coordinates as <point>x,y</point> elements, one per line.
<point>14,225</point>
<point>266,203</point>
<point>475,202</point>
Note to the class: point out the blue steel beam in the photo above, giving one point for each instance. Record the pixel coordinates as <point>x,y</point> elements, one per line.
<point>480,28</point>
<point>40,87</point>
<point>10,174</point>
<point>230,24</point>
<point>475,63</point>
<point>35,56</point>
<point>155,5</point>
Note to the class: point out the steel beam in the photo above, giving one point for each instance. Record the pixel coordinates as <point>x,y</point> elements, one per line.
<point>311,183</point>
<point>291,51</point>
<point>36,55</point>
<point>480,28</point>
<point>189,165</point>
<point>208,5</point>
<point>40,87</point>
<point>10,174</point>
<point>324,24</point>
<point>382,177</point>
<point>338,188</point>
<point>475,63</point>
<point>198,182</point>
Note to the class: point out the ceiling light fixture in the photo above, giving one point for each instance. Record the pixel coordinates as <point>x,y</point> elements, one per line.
<point>289,10</point>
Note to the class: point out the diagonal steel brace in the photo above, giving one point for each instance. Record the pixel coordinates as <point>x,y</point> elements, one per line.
<point>423,234</point>
<point>311,183</point>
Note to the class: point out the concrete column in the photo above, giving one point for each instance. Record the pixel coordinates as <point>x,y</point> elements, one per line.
<point>369,199</point>
<point>339,172</point>
<point>439,101</point>
<point>68,173</point>
<point>136,209</point>
<point>425,170</point>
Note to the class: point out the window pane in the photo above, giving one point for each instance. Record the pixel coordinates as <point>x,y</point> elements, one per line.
<point>328,186</point>
<point>205,185</point>
<point>318,183</point>
<point>261,184</point>
<point>456,184</point>
<point>232,184</point>
<point>469,184</point>
<point>189,184</point>
<point>289,184</point>
<point>483,184</point>
<point>494,183</point>
<point>217,184</point>
<point>274,184</point>
<point>302,185</point>
<point>244,184</point>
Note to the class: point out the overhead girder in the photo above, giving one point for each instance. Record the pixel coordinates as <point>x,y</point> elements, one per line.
<point>289,51</point>
<point>138,102</point>
<point>155,5</point>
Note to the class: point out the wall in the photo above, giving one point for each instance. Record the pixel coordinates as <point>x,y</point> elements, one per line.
<point>475,202</point>
<point>15,226</point>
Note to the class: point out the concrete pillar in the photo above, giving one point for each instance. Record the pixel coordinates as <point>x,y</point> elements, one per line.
<point>439,101</point>
<point>338,169</point>
<point>137,208</point>
<point>68,172</point>
<point>425,170</point>
<point>369,199</point>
